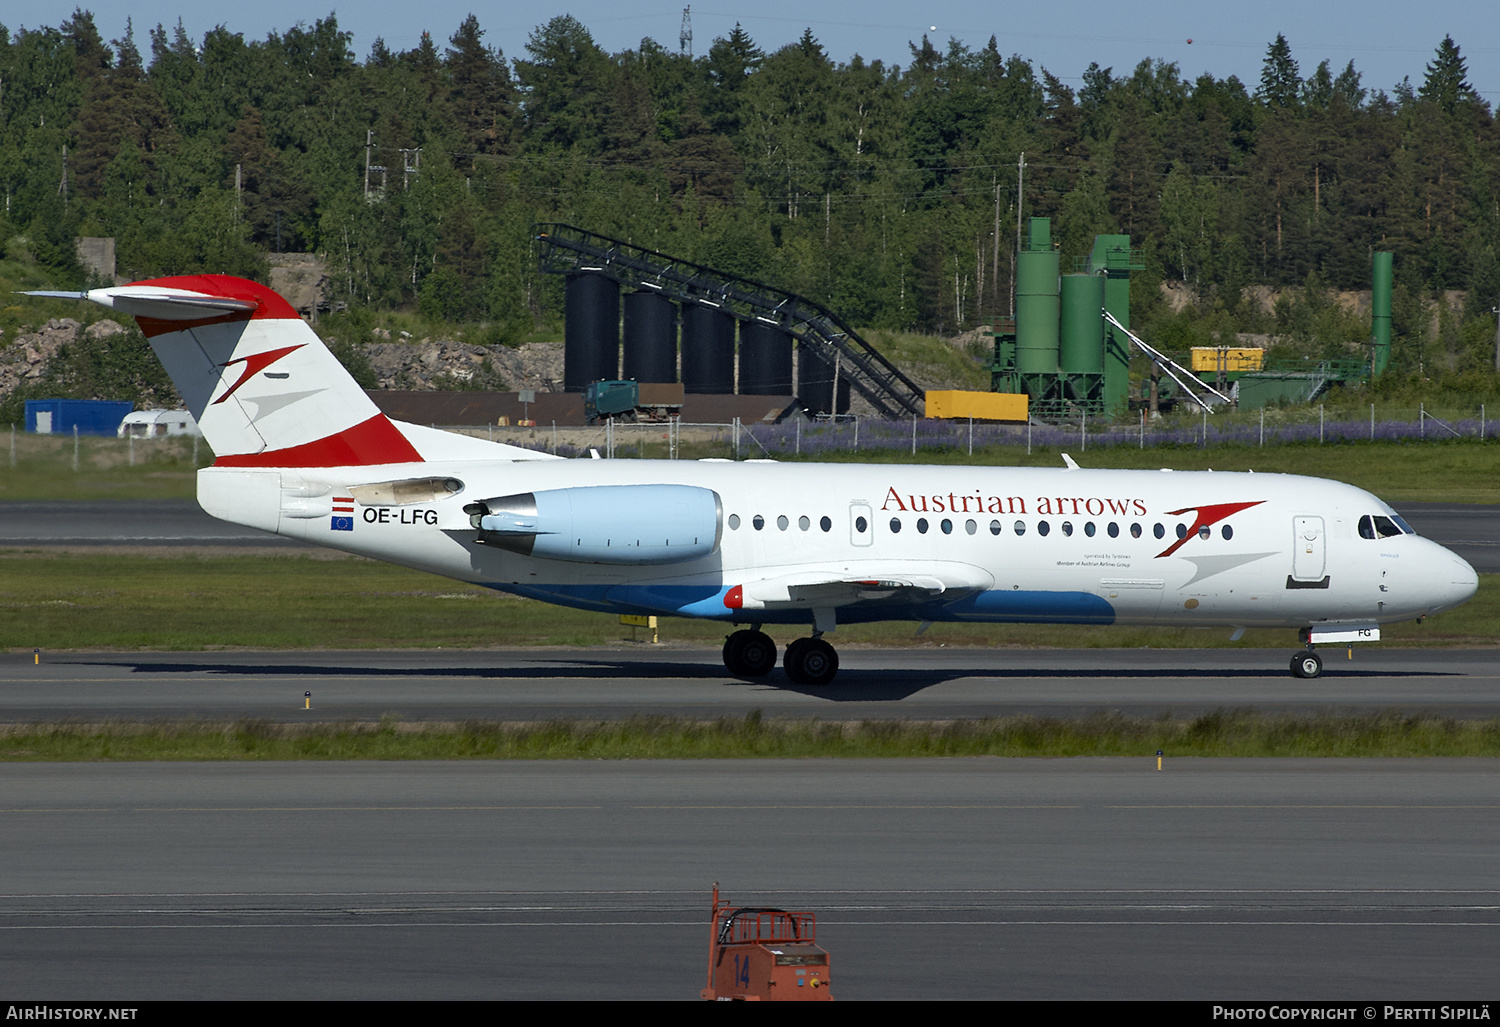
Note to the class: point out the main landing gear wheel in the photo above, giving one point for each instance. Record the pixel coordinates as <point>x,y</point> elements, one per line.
<point>749,654</point>
<point>1307,664</point>
<point>811,661</point>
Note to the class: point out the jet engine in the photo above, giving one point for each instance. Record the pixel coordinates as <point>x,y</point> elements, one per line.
<point>622,524</point>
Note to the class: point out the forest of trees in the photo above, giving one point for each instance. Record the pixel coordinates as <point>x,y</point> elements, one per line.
<point>888,193</point>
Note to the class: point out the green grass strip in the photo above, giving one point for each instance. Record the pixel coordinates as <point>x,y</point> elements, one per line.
<point>88,600</point>
<point>1237,733</point>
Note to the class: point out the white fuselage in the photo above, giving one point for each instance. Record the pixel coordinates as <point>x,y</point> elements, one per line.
<point>910,542</point>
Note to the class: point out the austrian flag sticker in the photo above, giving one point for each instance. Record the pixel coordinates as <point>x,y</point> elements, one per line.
<point>343,514</point>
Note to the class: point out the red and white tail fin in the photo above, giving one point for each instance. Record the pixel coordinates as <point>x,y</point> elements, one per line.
<point>264,389</point>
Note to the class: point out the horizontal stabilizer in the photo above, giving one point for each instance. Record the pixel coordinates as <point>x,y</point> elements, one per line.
<point>159,302</point>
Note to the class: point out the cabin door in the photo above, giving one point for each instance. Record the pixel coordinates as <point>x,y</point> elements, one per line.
<point>1308,549</point>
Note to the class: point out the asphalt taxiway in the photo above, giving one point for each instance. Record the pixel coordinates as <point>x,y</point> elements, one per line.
<point>621,681</point>
<point>967,878</point>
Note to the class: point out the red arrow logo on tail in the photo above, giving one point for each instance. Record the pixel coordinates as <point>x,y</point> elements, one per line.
<point>258,362</point>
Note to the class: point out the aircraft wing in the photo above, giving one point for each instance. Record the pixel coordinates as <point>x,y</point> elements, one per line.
<point>873,585</point>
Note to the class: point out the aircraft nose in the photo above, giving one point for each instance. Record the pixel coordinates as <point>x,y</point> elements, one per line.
<point>1455,581</point>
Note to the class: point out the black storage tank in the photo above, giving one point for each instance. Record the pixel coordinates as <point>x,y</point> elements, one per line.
<point>815,383</point>
<point>650,337</point>
<point>707,350</point>
<point>591,331</point>
<point>765,360</point>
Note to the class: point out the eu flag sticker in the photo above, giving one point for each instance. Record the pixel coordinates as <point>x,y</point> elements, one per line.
<point>342,524</point>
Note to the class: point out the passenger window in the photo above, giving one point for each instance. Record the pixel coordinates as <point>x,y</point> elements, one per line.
<point>1204,532</point>
<point>970,527</point>
<point>758,522</point>
<point>895,525</point>
<point>1158,530</point>
<point>1068,528</point>
<point>782,522</point>
<point>1227,532</point>
<point>826,524</point>
<point>1114,530</point>
<point>1042,527</point>
<point>922,525</point>
<point>1088,529</point>
<point>1182,531</point>
<point>994,527</point>
<point>734,522</point>
<point>803,522</point>
<point>1020,527</point>
<point>1135,531</point>
<point>947,526</point>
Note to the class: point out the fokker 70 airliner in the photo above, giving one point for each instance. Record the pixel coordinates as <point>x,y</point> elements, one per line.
<point>303,452</point>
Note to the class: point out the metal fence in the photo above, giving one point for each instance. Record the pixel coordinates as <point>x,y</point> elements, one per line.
<point>737,440</point>
<point>794,438</point>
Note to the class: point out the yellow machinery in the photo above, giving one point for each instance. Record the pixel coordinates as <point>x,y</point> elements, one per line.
<point>1228,359</point>
<point>982,406</point>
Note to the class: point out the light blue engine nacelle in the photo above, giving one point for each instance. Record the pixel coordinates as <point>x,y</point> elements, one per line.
<point>627,524</point>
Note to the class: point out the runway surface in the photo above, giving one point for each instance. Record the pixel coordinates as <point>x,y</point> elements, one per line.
<point>616,682</point>
<point>1471,531</point>
<point>974,878</point>
<point>128,522</point>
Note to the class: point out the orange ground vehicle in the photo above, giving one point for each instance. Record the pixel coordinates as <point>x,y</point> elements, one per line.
<point>756,954</point>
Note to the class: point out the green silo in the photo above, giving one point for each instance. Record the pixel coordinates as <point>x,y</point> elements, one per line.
<point>1114,259</point>
<point>1380,315</point>
<point>1036,310</point>
<point>1082,333</point>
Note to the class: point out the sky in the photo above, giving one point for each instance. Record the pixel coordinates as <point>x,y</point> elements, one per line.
<point>1386,42</point>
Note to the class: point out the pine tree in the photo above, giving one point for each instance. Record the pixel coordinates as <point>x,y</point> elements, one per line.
<point>1346,88</point>
<point>1279,80</point>
<point>1447,83</point>
<point>481,93</point>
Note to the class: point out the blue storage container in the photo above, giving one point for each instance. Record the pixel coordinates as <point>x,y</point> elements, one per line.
<point>89,416</point>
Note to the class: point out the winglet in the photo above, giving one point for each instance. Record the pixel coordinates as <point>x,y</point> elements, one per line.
<point>1072,464</point>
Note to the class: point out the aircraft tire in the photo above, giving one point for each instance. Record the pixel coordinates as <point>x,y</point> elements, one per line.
<point>749,654</point>
<point>1307,664</point>
<point>811,661</point>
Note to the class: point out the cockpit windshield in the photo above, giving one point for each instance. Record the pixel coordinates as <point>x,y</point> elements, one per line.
<point>1381,526</point>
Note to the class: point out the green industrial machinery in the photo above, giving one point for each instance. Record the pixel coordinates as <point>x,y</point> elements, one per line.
<point>1059,350</point>
<point>1302,381</point>
<point>1069,360</point>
